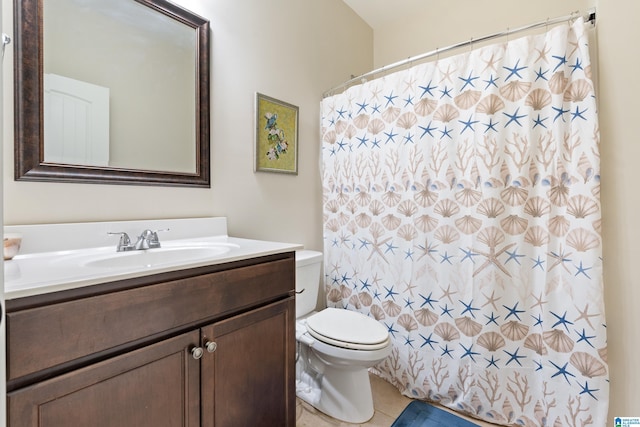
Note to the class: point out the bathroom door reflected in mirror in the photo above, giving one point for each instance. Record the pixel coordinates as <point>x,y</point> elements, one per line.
<point>121,88</point>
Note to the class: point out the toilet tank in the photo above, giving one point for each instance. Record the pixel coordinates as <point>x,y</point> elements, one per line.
<point>308,270</point>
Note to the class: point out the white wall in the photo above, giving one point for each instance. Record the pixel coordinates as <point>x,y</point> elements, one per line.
<point>617,34</point>
<point>292,50</point>
<point>445,23</point>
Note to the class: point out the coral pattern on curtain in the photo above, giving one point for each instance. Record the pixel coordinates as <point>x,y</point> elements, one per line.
<point>462,210</point>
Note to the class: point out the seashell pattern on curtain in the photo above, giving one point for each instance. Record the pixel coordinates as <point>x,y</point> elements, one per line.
<point>462,211</point>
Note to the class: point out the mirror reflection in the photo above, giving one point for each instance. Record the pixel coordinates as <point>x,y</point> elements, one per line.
<point>119,83</point>
<point>111,92</point>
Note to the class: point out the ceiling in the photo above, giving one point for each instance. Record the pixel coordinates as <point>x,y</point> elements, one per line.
<point>378,13</point>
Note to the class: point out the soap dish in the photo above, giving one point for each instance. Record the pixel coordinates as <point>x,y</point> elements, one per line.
<point>12,243</point>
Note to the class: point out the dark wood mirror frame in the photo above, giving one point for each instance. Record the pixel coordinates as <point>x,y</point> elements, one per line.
<point>28,107</point>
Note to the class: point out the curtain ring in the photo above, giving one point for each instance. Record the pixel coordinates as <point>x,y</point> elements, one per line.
<point>471,45</point>
<point>571,17</point>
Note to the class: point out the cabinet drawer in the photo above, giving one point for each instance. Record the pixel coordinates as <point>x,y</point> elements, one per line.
<point>56,335</point>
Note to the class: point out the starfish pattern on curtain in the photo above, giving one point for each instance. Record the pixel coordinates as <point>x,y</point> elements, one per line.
<point>462,211</point>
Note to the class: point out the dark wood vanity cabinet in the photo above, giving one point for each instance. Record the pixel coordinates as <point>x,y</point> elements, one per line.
<point>156,385</point>
<point>244,380</point>
<point>213,346</point>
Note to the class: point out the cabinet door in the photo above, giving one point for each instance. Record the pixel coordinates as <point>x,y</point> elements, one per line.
<point>249,380</point>
<point>157,385</point>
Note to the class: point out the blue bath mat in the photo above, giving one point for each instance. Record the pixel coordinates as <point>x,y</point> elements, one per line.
<point>422,414</point>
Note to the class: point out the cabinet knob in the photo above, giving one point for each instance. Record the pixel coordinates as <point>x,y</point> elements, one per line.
<point>197,352</point>
<point>211,346</point>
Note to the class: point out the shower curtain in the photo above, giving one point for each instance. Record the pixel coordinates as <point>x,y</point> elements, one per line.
<point>461,203</point>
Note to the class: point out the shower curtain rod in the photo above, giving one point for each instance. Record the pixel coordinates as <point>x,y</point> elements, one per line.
<point>590,17</point>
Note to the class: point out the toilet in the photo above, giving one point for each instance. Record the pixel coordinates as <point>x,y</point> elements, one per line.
<point>335,348</point>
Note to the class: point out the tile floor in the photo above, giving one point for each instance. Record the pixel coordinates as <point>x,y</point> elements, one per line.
<point>387,401</point>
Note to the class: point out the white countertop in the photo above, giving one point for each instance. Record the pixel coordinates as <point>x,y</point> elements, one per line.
<point>37,269</point>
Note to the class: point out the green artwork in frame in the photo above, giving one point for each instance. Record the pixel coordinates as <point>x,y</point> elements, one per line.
<point>276,136</point>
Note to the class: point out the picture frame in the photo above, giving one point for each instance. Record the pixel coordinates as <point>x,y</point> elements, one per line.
<point>276,135</point>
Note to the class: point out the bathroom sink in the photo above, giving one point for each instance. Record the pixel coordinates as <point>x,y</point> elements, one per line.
<point>155,257</point>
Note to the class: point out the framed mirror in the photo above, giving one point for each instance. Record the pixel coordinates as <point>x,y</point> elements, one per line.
<point>111,92</point>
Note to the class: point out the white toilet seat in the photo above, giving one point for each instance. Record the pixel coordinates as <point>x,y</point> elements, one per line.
<point>337,361</point>
<point>335,349</point>
<point>347,329</point>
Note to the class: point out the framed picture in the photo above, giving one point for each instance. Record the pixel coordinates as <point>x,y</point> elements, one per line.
<point>276,136</point>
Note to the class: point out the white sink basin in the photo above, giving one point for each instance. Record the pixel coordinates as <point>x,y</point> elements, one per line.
<point>156,257</point>
<point>149,258</point>
<point>58,257</point>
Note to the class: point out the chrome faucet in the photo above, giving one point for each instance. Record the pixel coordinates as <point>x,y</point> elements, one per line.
<point>147,240</point>
<point>124,244</point>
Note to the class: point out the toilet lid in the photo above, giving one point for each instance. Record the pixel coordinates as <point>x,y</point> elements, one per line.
<point>349,329</point>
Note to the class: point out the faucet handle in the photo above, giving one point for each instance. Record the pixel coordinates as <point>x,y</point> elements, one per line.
<point>149,239</point>
<point>154,237</point>
<point>154,233</point>
<point>124,244</point>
